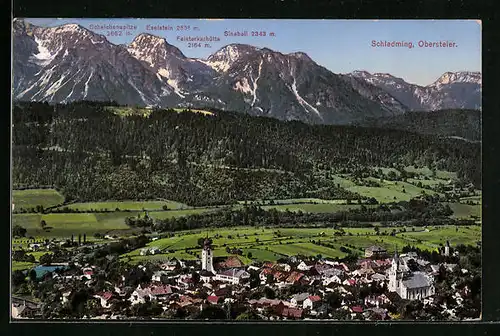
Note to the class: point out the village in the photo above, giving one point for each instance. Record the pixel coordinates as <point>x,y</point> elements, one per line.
<point>378,286</point>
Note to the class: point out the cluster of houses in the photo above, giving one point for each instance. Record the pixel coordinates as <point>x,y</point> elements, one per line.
<point>193,286</point>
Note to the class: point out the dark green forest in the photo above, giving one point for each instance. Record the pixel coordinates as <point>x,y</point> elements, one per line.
<point>447,123</point>
<point>90,154</point>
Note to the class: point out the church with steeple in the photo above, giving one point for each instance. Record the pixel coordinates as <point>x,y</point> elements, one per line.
<point>207,257</point>
<point>410,285</point>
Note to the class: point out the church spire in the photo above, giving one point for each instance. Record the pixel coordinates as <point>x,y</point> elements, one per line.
<point>395,261</point>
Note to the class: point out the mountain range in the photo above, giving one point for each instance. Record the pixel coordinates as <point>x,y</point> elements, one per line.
<point>453,90</point>
<point>70,63</point>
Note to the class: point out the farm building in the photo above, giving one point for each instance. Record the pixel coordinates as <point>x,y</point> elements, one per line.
<point>375,252</point>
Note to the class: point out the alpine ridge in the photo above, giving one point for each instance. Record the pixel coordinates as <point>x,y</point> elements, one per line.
<point>452,90</point>
<point>70,63</point>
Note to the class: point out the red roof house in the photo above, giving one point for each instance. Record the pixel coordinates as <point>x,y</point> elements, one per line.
<point>357,309</point>
<point>213,299</point>
<point>290,312</point>
<point>294,277</point>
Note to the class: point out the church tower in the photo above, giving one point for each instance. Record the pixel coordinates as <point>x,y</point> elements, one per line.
<point>394,274</point>
<point>207,256</point>
<point>447,248</point>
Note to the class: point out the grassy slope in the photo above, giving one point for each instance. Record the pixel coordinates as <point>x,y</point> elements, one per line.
<point>21,265</point>
<point>465,211</point>
<point>30,198</point>
<point>64,225</point>
<point>128,205</point>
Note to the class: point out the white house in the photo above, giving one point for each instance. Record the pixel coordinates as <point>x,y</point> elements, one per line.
<point>104,299</point>
<point>65,296</point>
<point>284,267</point>
<point>169,265</point>
<point>311,302</point>
<point>185,280</point>
<point>298,299</point>
<point>378,277</point>
<point>153,292</point>
<point>305,266</point>
<point>138,296</point>
<point>159,276</point>
<point>331,279</point>
<point>265,272</point>
<point>233,276</point>
<point>376,300</point>
<point>154,250</point>
<point>283,284</point>
<point>206,276</point>
<point>35,246</point>
<point>331,262</point>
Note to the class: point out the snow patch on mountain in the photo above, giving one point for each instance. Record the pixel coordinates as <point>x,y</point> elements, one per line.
<point>164,73</point>
<point>175,85</point>
<point>143,96</point>
<point>458,77</point>
<point>243,86</point>
<point>54,87</point>
<point>220,66</point>
<point>308,107</point>
<point>254,82</point>
<point>87,84</point>
<point>44,56</point>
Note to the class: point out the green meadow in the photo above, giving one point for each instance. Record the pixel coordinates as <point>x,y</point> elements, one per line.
<point>256,243</point>
<point>465,211</point>
<point>127,205</point>
<point>315,208</point>
<point>271,244</point>
<point>30,198</point>
<point>64,224</point>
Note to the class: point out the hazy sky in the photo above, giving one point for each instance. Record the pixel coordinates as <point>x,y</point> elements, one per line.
<point>339,45</point>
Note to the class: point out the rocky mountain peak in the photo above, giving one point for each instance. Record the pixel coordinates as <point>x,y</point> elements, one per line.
<point>222,59</point>
<point>152,49</point>
<point>361,73</point>
<point>458,77</point>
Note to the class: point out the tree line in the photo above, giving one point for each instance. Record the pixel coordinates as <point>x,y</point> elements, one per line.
<point>415,212</point>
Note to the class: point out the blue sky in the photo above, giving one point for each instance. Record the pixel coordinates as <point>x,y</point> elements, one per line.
<point>339,45</point>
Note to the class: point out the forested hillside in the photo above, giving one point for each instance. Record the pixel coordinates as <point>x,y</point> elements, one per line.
<point>91,154</point>
<point>464,124</point>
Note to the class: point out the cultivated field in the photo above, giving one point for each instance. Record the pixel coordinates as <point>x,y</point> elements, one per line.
<point>273,243</point>
<point>425,171</point>
<point>30,198</point>
<point>390,191</point>
<point>21,265</point>
<point>255,243</point>
<point>66,224</point>
<point>315,208</point>
<point>127,205</point>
